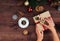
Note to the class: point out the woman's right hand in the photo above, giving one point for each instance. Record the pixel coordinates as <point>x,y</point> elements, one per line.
<point>39,34</point>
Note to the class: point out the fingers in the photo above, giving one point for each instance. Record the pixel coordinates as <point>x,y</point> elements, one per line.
<point>38,31</point>
<point>49,19</point>
<point>45,26</point>
<point>42,33</point>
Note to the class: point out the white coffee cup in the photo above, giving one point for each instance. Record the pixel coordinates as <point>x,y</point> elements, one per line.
<point>23,25</point>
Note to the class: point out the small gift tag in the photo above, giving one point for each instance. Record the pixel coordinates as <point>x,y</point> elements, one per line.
<point>40,19</point>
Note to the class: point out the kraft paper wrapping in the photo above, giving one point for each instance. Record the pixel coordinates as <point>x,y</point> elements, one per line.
<point>39,19</point>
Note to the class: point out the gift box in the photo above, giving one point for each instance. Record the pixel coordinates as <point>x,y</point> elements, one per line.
<point>40,19</point>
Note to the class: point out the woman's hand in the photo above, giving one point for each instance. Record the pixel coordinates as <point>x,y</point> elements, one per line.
<point>50,25</point>
<point>39,34</point>
<point>51,28</point>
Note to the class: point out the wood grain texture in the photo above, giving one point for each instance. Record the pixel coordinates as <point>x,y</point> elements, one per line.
<point>9,29</point>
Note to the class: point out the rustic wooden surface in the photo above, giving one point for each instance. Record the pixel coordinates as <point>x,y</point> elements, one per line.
<point>9,29</point>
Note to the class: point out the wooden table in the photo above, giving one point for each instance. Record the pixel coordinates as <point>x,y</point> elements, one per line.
<point>9,29</point>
